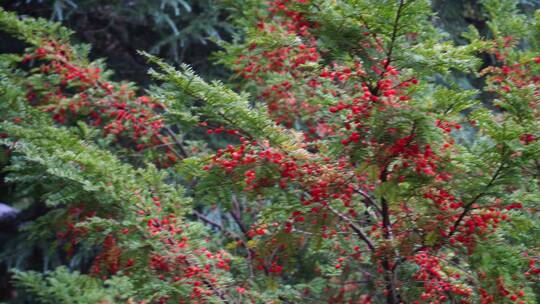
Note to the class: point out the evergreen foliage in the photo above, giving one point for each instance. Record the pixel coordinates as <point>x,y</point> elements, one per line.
<point>350,168</point>
<point>177,30</point>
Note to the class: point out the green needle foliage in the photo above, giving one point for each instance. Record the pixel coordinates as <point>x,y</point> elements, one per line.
<point>350,167</point>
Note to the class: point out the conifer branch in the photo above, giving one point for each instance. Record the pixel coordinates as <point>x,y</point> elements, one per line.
<point>394,34</point>
<point>354,227</point>
<point>468,206</point>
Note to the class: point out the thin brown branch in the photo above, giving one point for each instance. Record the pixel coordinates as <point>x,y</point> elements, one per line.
<point>177,142</point>
<point>470,205</point>
<point>355,228</point>
<point>205,219</point>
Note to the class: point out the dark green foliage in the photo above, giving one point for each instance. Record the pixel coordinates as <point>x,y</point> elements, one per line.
<point>176,30</point>
<point>58,168</point>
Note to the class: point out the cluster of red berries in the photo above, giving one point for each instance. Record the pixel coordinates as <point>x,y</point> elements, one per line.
<point>71,92</point>
<point>438,282</point>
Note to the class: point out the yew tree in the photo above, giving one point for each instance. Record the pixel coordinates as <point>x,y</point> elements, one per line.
<point>345,161</point>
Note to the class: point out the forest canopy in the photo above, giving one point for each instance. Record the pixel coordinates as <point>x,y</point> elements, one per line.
<point>280,151</point>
